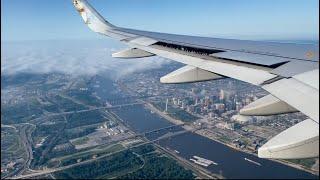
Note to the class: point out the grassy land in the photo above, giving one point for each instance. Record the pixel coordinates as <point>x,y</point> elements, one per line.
<point>143,162</point>
<point>20,113</point>
<point>11,148</point>
<point>224,139</point>
<point>176,113</point>
<point>158,166</point>
<point>110,166</point>
<point>308,163</point>
<point>59,130</point>
<point>84,118</point>
<point>85,155</point>
<point>85,97</point>
<point>80,141</point>
<point>66,104</point>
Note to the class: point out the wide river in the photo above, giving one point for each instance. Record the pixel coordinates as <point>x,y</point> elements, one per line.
<point>231,163</point>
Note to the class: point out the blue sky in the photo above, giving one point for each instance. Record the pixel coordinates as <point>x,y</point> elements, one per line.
<point>241,19</point>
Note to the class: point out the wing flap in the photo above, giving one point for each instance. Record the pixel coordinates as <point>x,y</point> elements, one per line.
<point>309,52</point>
<point>293,68</point>
<point>258,59</point>
<point>242,73</point>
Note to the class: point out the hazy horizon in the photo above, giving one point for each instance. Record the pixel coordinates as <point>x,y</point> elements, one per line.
<point>241,19</point>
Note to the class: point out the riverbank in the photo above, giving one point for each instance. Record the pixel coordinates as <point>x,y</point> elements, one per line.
<point>201,133</point>
<point>162,114</point>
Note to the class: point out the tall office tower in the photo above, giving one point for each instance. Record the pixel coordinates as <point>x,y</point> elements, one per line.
<point>222,95</point>
<point>238,106</point>
<point>167,105</point>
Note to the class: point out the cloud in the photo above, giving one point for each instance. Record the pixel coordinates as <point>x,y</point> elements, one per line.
<point>72,57</point>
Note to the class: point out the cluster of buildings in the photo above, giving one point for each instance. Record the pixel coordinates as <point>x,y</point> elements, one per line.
<point>217,104</point>
<point>112,128</point>
<point>41,86</point>
<point>223,104</point>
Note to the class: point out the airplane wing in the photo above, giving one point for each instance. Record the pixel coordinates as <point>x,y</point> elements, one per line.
<point>290,72</point>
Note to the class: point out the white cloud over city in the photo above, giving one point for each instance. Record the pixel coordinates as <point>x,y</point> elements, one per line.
<point>71,57</point>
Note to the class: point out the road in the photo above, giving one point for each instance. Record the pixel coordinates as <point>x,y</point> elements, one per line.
<point>8,126</point>
<point>42,118</point>
<point>27,143</point>
<point>47,171</point>
<point>93,108</point>
<point>21,129</point>
<point>204,174</point>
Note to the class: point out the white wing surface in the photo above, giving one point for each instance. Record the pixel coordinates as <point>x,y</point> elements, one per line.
<point>290,72</point>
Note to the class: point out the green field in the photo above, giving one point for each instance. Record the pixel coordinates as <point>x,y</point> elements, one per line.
<point>11,147</point>
<point>80,141</point>
<point>84,118</point>
<point>21,113</point>
<point>85,155</point>
<point>108,166</point>
<point>85,97</point>
<point>176,113</point>
<point>66,104</point>
<point>308,163</point>
<point>158,166</point>
<point>142,162</point>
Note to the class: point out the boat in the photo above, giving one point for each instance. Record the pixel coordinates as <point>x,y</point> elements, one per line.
<point>254,162</point>
<point>202,161</point>
<point>207,161</point>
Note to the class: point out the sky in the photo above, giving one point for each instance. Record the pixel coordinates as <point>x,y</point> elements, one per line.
<point>49,36</point>
<point>240,19</point>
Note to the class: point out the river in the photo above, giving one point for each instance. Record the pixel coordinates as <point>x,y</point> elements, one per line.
<point>231,163</point>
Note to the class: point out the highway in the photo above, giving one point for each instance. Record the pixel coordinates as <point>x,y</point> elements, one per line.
<point>42,118</point>
<point>95,108</point>
<point>25,136</point>
<point>8,126</point>
<point>47,171</point>
<point>35,173</point>
<point>168,127</point>
<point>165,136</point>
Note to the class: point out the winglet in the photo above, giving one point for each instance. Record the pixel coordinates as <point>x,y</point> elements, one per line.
<point>92,18</point>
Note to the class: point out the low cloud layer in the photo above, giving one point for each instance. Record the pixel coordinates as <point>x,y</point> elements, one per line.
<point>71,57</point>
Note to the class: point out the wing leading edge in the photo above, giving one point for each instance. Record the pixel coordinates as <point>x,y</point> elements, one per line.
<point>288,71</point>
